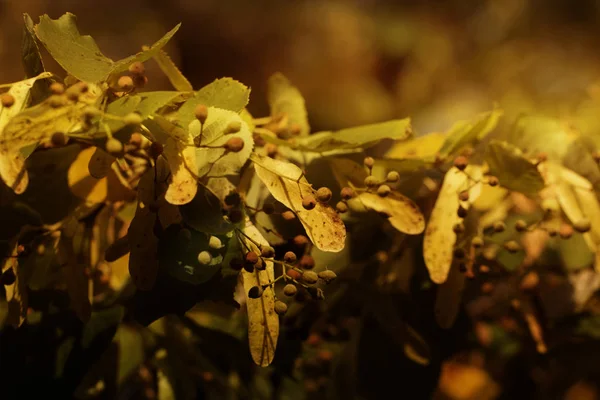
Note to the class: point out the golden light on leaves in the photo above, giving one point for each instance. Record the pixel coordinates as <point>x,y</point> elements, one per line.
<point>402,212</point>
<point>285,98</point>
<point>287,184</point>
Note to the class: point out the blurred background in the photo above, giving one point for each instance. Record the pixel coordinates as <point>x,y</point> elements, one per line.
<point>357,61</point>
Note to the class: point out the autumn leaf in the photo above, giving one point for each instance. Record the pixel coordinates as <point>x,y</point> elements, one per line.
<point>287,184</point>
<point>285,98</point>
<point>61,36</point>
<point>465,133</point>
<point>402,212</point>
<point>168,67</point>
<point>513,170</point>
<point>438,244</point>
<point>422,147</point>
<point>263,322</point>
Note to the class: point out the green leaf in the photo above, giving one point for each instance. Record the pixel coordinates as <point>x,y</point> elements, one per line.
<point>225,93</point>
<point>204,213</point>
<point>575,253</point>
<point>101,321</point>
<point>168,67</point>
<point>285,98</point>
<point>539,134</point>
<point>353,138</point>
<point>589,326</point>
<point>32,61</point>
<point>513,170</point>
<point>468,133</point>
<point>79,54</point>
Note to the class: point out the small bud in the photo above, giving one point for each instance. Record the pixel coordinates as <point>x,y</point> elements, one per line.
<point>477,242</point>
<point>268,208</point>
<point>137,68</point>
<point>309,202</point>
<point>461,212</point>
<point>306,262</point>
<point>371,182</point>
<point>133,119</point>
<point>7,100</point>
<point>280,307</point>
<point>458,228</point>
<point>233,199</point>
<point>310,277</point>
<point>267,252</point>
<point>233,127</point>
<point>288,215</point>
<point>236,264</point>
<point>251,257</point>
<point>341,207</point>
<point>295,129</point>
<point>292,273</point>
<point>58,139</point>
<point>140,81</point>
<point>582,226</point>
<point>300,241</point>
<point>204,258</point>
<point>271,150</point>
<point>260,265</point>
<point>324,194</point>
<point>57,88</point>
<point>565,231</point>
<point>56,101</point>
<point>234,144</point>
<point>290,290</point>
<point>383,190</point>
<point>255,292</point>
<point>347,193</point>
<point>81,87</point>
<point>327,276</point>
<point>464,195</point>
<point>155,150</point>
<point>235,215</point>
<point>492,181</point>
<point>520,226</point>
<point>136,139</point>
<point>499,226</point>
<point>289,257</point>
<point>512,246</point>
<point>214,242</point>
<point>113,146</point>
<point>125,83</point>
<point>530,281</point>
<point>201,113</point>
<point>487,288</point>
<point>461,162</point>
<point>484,269</point>
<point>369,162</point>
<point>393,176</point>
<point>541,157</point>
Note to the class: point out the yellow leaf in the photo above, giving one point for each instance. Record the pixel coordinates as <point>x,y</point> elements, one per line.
<point>403,213</point>
<point>263,322</point>
<point>285,98</point>
<point>440,238</point>
<point>348,173</point>
<point>425,146</point>
<point>100,163</point>
<point>287,184</point>
<point>168,67</point>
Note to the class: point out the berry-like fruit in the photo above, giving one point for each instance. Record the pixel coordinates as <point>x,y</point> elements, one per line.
<point>492,181</point>
<point>324,194</point>
<point>310,277</point>
<point>300,241</point>
<point>271,150</point>
<point>327,276</point>
<point>233,127</point>
<point>306,262</point>
<point>512,246</point>
<point>233,199</point>
<point>58,139</point>
<point>292,273</point>
<point>137,68</point>
<point>458,228</point>
<point>204,257</point>
<point>383,190</point>
<point>341,207</point>
<point>214,242</point>
<point>251,257</point>
<point>295,129</point>
<point>255,292</point>
<point>499,226</point>
<point>369,162</point>
<point>464,195</point>
<point>125,83</point>
<point>155,150</point>
<point>288,215</point>
<point>234,144</point>
<point>113,146</point>
<point>57,88</point>
<point>461,212</point>
<point>280,307</point>
<point>136,139</point>
<point>249,267</point>
<point>267,252</point>
<point>260,265</point>
<point>7,100</point>
<point>201,113</point>
<point>477,242</point>
<point>582,226</point>
<point>133,119</point>
<point>520,226</point>
<point>371,182</point>
<point>309,202</point>
<point>461,162</point>
<point>289,257</point>
<point>235,215</point>
<point>347,193</point>
<point>290,289</point>
<point>268,208</point>
<point>56,101</point>
<point>236,264</point>
<point>392,176</point>
<point>565,231</point>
